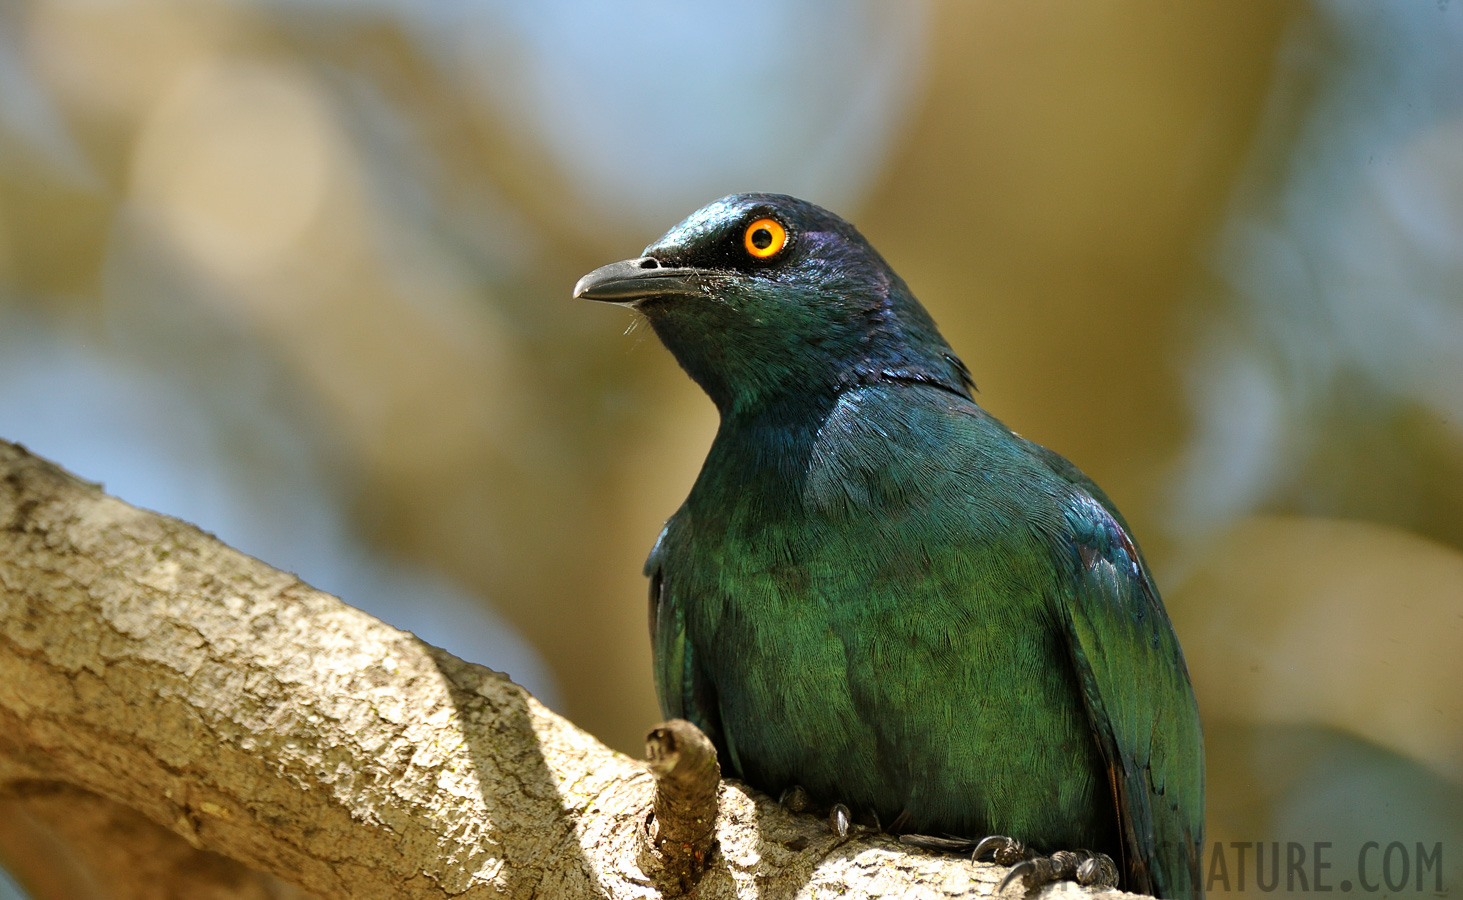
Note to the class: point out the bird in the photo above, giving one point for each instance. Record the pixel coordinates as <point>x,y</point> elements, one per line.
<point>878,596</point>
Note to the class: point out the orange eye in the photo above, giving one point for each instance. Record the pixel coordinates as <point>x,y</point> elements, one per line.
<point>764,238</point>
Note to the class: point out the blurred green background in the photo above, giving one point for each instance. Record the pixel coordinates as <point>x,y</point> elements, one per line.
<point>299,271</point>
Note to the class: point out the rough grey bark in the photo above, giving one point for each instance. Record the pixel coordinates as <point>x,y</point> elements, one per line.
<point>178,719</point>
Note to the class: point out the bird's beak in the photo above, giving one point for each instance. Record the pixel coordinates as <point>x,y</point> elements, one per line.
<point>633,280</point>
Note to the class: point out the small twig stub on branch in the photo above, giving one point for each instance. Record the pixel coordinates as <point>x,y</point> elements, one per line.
<point>682,829</point>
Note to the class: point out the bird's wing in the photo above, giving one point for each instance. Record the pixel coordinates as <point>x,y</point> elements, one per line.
<point>684,693</point>
<point>1136,688</point>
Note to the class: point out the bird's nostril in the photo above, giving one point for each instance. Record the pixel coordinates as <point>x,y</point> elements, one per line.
<point>649,262</point>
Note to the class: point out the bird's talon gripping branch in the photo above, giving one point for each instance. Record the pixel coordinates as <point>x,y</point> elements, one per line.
<point>1099,871</point>
<point>794,799</point>
<point>838,820</point>
<point>1082,866</point>
<point>1004,851</point>
<point>1028,873</point>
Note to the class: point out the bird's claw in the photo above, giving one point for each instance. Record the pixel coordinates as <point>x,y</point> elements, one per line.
<point>1005,851</point>
<point>794,799</point>
<point>839,821</point>
<point>1098,870</point>
<point>1082,866</point>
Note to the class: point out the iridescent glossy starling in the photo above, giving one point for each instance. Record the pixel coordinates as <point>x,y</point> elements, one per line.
<point>877,591</point>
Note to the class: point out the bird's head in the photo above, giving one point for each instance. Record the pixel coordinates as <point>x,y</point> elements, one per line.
<point>764,297</point>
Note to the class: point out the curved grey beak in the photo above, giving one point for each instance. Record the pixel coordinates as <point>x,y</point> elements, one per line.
<point>632,280</point>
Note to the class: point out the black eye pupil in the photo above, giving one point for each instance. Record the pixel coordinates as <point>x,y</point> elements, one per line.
<point>761,239</point>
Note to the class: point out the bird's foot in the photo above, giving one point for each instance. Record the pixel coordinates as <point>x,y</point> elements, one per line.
<point>1004,851</point>
<point>839,820</point>
<point>1032,871</point>
<point>794,799</point>
<point>1082,866</point>
<point>842,820</point>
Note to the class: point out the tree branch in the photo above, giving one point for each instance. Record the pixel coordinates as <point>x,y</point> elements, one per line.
<point>150,674</point>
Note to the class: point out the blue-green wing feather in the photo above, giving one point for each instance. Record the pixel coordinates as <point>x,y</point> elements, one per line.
<point>683,691</point>
<point>1136,688</point>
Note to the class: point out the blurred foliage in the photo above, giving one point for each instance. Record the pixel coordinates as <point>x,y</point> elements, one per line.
<point>1210,252</point>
